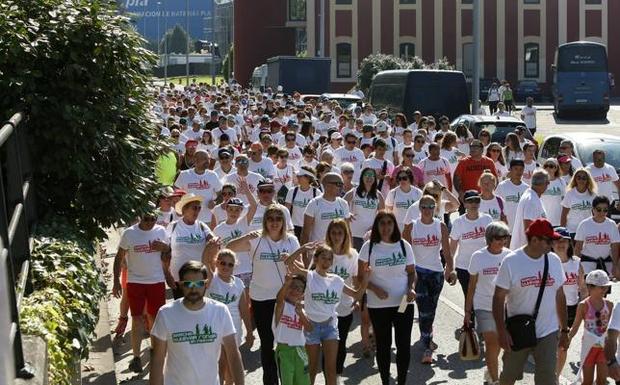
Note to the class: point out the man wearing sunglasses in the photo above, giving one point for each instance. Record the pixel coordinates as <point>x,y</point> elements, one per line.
<point>188,334</point>
<point>349,153</point>
<point>266,194</point>
<point>141,249</point>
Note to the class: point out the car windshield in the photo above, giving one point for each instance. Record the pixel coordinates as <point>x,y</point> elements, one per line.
<point>612,152</point>
<point>498,130</point>
<point>345,102</point>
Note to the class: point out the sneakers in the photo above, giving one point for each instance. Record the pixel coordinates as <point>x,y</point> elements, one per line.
<point>136,365</point>
<point>427,357</point>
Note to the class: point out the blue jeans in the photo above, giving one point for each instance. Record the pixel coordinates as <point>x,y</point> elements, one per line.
<point>427,288</point>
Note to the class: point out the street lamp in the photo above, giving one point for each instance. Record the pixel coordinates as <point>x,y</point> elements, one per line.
<point>212,42</point>
<point>187,48</point>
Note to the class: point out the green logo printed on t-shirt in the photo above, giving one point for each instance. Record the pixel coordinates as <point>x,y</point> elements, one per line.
<point>301,203</point>
<point>494,213</point>
<point>191,239</point>
<point>331,215</point>
<point>204,336</point>
<point>395,260</point>
<point>341,272</point>
<point>513,198</point>
<point>225,299</point>
<point>583,205</point>
<point>272,256</point>
<point>404,204</point>
<point>328,298</point>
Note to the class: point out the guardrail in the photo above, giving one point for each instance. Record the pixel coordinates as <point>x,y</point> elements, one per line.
<point>17,220</point>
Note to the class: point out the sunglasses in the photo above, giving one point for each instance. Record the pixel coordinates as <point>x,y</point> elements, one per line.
<point>427,206</point>
<point>266,191</point>
<point>420,141</point>
<point>226,264</point>
<point>194,284</point>
<point>175,136</point>
<point>501,237</point>
<point>494,150</point>
<point>409,156</point>
<point>351,142</point>
<point>549,166</point>
<point>475,201</point>
<point>403,177</point>
<point>368,175</point>
<point>274,219</point>
<point>149,219</point>
<point>227,193</point>
<point>339,184</point>
<point>602,209</point>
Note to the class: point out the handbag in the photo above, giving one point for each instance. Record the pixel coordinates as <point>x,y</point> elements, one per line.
<point>522,327</point>
<point>469,346</point>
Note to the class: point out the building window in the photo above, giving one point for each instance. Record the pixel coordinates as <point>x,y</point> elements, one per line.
<point>407,51</point>
<point>467,1</point>
<point>531,1</point>
<point>344,2</point>
<point>530,59</point>
<point>406,1</point>
<point>296,10</point>
<point>468,59</point>
<point>596,2</point>
<point>301,42</point>
<point>343,60</point>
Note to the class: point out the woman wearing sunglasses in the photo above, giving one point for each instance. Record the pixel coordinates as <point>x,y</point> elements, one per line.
<point>577,202</point>
<point>230,290</point>
<point>490,203</point>
<point>449,151</point>
<point>553,196</point>
<point>405,194</point>
<point>494,152</point>
<point>364,202</point>
<point>269,252</point>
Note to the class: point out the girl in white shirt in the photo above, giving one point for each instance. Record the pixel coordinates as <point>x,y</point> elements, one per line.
<point>403,195</point>
<point>494,151</point>
<point>553,196</point>
<point>490,203</point>
<point>483,269</point>
<point>364,202</point>
<point>577,202</point>
<point>324,291</point>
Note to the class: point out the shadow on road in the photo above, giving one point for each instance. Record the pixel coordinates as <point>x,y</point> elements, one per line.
<point>580,120</point>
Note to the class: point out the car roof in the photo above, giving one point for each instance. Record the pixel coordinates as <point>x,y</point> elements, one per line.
<point>577,137</point>
<point>491,118</point>
<point>341,96</point>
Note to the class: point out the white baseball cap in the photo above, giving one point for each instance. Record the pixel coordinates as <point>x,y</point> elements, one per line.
<point>597,278</point>
<point>381,126</point>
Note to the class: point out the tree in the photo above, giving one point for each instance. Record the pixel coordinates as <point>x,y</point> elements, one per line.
<point>81,73</point>
<point>374,63</point>
<point>227,63</point>
<point>177,41</point>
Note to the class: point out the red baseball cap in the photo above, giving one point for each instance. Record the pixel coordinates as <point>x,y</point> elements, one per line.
<point>542,228</point>
<point>564,159</point>
<point>191,143</point>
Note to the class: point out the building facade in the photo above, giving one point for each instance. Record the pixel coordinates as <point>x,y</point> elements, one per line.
<point>519,37</point>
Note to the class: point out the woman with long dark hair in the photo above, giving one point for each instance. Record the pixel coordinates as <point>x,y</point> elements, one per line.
<point>364,202</point>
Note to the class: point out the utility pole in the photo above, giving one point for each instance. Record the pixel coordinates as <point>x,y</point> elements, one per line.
<point>158,32</point>
<point>166,46</point>
<point>322,30</point>
<point>475,85</point>
<point>188,38</point>
<point>212,42</point>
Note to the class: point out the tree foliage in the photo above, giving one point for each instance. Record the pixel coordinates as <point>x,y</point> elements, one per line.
<point>228,62</point>
<point>81,72</point>
<point>177,41</point>
<point>374,63</point>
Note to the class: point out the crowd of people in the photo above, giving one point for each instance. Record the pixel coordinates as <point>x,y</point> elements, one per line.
<point>285,218</point>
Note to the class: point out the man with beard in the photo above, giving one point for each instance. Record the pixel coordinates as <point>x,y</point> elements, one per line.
<point>190,331</point>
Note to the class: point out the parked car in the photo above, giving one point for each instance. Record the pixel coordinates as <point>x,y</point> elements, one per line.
<point>343,99</point>
<point>498,126</point>
<point>306,98</point>
<point>527,88</point>
<point>584,145</point>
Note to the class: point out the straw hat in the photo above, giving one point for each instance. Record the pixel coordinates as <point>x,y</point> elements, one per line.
<point>187,198</point>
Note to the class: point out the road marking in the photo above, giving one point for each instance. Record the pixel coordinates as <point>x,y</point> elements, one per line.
<point>459,310</point>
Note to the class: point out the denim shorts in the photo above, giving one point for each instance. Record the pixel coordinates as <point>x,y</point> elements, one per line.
<point>322,331</point>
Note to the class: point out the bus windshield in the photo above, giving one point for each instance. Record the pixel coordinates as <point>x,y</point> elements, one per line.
<point>582,58</point>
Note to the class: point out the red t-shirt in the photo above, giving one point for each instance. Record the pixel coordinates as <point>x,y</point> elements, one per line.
<point>469,170</point>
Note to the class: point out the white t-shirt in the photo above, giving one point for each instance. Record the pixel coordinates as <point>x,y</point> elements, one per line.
<point>614,324</point>
<point>323,212</point>
<point>470,237</point>
<point>355,157</point>
<point>604,178</point>
<point>265,167</point>
<point>302,198</point>
<point>419,156</point>
<point>511,194</point>
<point>530,208</point>
<point>426,244</point>
<point>521,275</point>
<point>502,171</point>
<point>528,114</point>
<point>486,266</point>
<point>492,207</point>
<point>283,177</point>
<point>207,185</point>
<point>552,199</point>
<point>228,293</point>
<point>597,239</point>
<point>388,271</point>
<point>377,165</point>
<point>289,329</point>
<point>580,205</point>
<point>252,178</point>
<point>217,132</point>
<point>365,210</point>
<point>528,172</point>
<point>165,217</point>
<point>228,232</point>
<point>571,286</point>
<point>345,266</point>
<point>438,170</point>
<point>221,174</point>
<point>400,201</point>
<point>143,263</point>
<point>194,340</point>
<point>322,295</point>
<point>187,243</point>
<point>269,270</point>
<point>451,157</point>
<point>257,220</point>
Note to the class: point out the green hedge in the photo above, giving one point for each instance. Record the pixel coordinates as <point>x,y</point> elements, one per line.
<point>64,308</point>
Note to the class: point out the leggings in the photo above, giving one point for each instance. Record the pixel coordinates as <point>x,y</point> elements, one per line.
<point>383,320</point>
<point>263,316</point>
<point>344,324</point>
<point>427,288</point>
<point>463,277</point>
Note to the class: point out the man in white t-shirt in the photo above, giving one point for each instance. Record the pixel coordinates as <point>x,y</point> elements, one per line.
<point>258,163</point>
<point>200,181</point>
<point>383,167</point>
<point>252,178</point>
<point>190,333</point>
<point>141,247</point>
<point>604,175</point>
<point>530,207</point>
<point>511,190</point>
<point>351,154</point>
<point>528,114</point>
<point>435,167</point>
<point>323,209</point>
<point>517,285</point>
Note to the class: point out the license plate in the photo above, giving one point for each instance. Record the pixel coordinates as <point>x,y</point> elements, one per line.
<point>581,100</point>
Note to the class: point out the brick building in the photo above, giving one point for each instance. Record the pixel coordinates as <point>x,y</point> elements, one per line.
<point>519,37</point>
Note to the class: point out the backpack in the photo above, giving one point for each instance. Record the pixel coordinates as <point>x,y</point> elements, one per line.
<point>500,203</point>
<point>295,191</point>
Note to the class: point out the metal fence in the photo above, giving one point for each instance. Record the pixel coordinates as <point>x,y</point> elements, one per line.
<point>17,219</point>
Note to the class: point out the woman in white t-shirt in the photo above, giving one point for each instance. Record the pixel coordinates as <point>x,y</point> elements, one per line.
<point>230,290</point>
<point>364,203</point>
<point>449,150</point>
<point>483,269</point>
<point>324,291</point>
<point>298,197</point>
<point>490,203</point>
<point>401,197</point>
<point>512,148</point>
<point>269,253</point>
<point>428,237</point>
<point>284,172</point>
<point>553,196</point>
<point>577,202</point>
<point>390,293</point>
<point>529,159</point>
<point>464,138</point>
<point>495,153</point>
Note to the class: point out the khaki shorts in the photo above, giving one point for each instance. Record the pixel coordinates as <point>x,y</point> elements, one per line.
<point>545,353</point>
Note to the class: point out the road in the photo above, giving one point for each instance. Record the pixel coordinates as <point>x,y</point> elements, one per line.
<point>548,124</point>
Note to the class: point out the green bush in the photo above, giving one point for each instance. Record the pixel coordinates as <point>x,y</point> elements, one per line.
<point>64,307</point>
<point>374,63</point>
<point>81,72</point>
<point>228,62</point>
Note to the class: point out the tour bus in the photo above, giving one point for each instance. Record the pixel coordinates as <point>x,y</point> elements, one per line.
<point>580,79</point>
<point>432,92</point>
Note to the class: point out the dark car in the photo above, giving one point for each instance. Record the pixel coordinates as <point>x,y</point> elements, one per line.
<point>498,126</point>
<point>584,145</point>
<point>527,88</point>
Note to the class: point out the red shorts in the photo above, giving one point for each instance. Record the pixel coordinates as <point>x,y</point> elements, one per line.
<point>124,278</point>
<point>153,294</point>
<point>596,355</point>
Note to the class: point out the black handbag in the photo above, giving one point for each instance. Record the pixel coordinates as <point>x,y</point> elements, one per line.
<point>522,327</point>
